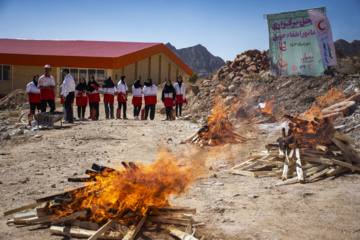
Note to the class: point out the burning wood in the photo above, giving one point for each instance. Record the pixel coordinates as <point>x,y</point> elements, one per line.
<point>217,130</point>
<point>115,201</point>
<point>311,150</point>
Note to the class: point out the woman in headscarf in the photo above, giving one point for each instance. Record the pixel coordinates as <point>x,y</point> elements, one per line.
<point>109,90</point>
<point>81,98</point>
<point>180,96</point>
<point>94,96</point>
<point>150,91</point>
<point>34,94</point>
<point>137,98</point>
<point>122,95</point>
<point>168,97</point>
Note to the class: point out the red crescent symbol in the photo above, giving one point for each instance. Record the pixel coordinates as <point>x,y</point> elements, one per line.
<point>309,67</point>
<point>319,25</point>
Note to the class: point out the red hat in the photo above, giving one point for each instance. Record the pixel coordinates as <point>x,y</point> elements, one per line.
<point>47,66</point>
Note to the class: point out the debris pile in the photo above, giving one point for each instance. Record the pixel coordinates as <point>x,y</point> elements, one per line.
<point>252,61</point>
<point>14,100</point>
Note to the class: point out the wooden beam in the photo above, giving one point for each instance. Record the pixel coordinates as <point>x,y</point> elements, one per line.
<point>180,234</point>
<point>299,170</point>
<point>83,233</point>
<point>349,156</point>
<point>107,226</point>
<point>286,167</point>
<point>71,216</point>
<point>131,234</point>
<point>19,209</point>
<point>317,175</point>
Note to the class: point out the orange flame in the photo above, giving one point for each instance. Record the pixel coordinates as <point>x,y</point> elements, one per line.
<point>136,190</point>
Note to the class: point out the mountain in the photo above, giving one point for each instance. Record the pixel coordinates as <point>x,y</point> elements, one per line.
<point>199,59</point>
<point>347,49</point>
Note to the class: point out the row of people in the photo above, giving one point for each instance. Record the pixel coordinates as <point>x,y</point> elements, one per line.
<point>41,93</point>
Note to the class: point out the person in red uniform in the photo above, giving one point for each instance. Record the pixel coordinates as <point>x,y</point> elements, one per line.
<point>137,98</point>
<point>94,96</point>
<point>109,90</point>
<point>122,95</point>
<point>150,92</point>
<point>81,98</point>
<point>46,85</point>
<point>34,94</point>
<point>168,97</point>
<point>180,96</point>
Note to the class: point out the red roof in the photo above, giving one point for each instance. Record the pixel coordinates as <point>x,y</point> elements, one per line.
<point>88,54</point>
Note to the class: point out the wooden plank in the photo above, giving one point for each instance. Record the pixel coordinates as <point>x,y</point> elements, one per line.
<point>349,156</point>
<point>71,216</point>
<point>158,219</point>
<point>337,170</point>
<point>250,166</point>
<point>83,233</point>
<point>131,234</point>
<point>19,209</point>
<point>295,179</point>
<point>174,209</point>
<point>243,163</point>
<point>321,160</point>
<point>180,234</point>
<point>299,170</point>
<point>344,164</point>
<point>322,148</point>
<point>286,167</point>
<point>342,137</point>
<point>25,215</point>
<point>317,175</point>
<point>107,226</point>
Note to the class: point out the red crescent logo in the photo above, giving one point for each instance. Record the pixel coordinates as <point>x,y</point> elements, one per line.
<point>319,25</point>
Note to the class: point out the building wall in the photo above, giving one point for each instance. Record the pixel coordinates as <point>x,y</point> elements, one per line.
<point>159,67</point>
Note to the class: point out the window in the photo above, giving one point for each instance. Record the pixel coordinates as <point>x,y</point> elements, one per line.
<point>5,73</point>
<point>77,73</point>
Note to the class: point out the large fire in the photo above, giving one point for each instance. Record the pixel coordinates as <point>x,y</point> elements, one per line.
<point>137,188</point>
<point>311,128</point>
<point>218,129</point>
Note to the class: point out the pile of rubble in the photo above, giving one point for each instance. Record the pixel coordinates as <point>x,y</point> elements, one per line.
<point>252,61</point>
<point>14,100</point>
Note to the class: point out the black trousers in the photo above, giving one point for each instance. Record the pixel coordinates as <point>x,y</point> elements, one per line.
<point>123,105</point>
<point>168,113</point>
<point>96,106</point>
<point>81,111</point>
<point>107,106</point>
<point>137,110</point>
<point>178,107</point>
<point>33,106</point>
<point>69,110</point>
<point>150,107</point>
<point>51,105</point>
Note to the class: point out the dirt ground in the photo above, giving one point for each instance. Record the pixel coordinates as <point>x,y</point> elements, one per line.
<point>230,206</point>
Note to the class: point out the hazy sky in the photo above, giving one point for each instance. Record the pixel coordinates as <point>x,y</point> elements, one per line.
<point>225,28</point>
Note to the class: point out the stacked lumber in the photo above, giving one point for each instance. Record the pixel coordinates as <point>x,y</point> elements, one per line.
<point>124,225</point>
<point>302,165</point>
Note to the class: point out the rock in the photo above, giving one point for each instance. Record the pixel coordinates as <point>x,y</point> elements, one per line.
<point>187,117</point>
<point>53,185</point>
<point>219,200</point>
<point>37,136</point>
<point>222,88</point>
<point>218,184</point>
<point>236,195</point>
<point>195,89</point>
<point>18,131</point>
<point>5,136</point>
<point>252,68</point>
<point>253,195</point>
<point>237,80</point>
<point>224,94</point>
<point>232,88</point>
